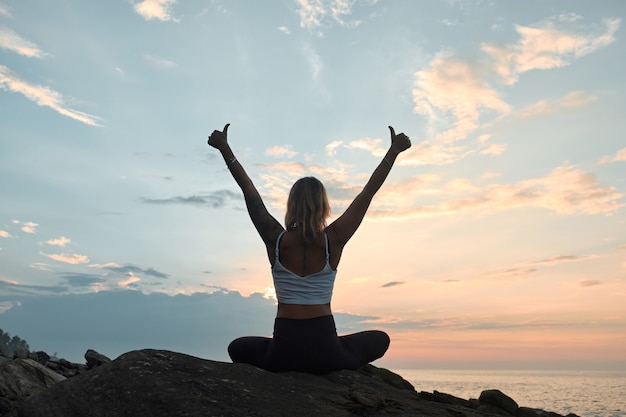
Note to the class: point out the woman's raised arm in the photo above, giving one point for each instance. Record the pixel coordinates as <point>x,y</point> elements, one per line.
<point>348,223</point>
<point>267,226</point>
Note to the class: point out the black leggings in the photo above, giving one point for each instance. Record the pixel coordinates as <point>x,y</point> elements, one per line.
<point>309,345</point>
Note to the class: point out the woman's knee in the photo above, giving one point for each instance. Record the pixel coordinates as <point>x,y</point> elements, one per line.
<point>248,349</point>
<point>379,341</point>
<point>235,350</point>
<point>368,345</point>
<point>384,339</point>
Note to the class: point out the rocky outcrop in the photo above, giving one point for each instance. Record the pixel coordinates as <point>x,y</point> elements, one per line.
<point>27,373</point>
<point>162,383</point>
<point>21,378</point>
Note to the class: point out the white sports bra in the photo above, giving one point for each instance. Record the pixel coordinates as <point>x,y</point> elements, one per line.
<point>311,289</point>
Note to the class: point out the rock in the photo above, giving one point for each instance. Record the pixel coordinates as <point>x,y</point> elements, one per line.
<point>40,356</point>
<point>442,398</point>
<point>500,400</point>
<point>94,359</point>
<point>20,379</point>
<point>162,383</point>
<point>21,353</point>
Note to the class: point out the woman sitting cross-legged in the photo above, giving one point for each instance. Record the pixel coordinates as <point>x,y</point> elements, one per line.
<point>304,256</point>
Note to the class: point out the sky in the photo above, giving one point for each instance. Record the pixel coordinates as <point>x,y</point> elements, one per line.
<point>498,240</point>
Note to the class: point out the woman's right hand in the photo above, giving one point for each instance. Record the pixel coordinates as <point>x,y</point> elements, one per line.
<point>218,139</point>
<point>399,142</point>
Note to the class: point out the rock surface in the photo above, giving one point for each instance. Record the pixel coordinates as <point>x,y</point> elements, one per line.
<point>162,383</point>
<point>21,378</point>
<point>28,373</point>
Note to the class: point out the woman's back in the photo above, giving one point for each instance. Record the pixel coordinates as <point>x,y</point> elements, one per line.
<point>306,259</point>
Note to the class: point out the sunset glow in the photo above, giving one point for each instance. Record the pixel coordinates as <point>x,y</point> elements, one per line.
<point>499,236</point>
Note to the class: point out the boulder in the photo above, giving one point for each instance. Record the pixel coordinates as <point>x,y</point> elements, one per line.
<point>500,400</point>
<point>21,353</point>
<point>94,359</point>
<point>20,379</point>
<point>40,356</point>
<point>163,383</point>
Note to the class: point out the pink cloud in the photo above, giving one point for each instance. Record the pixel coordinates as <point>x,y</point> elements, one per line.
<point>620,156</point>
<point>11,41</point>
<point>62,241</point>
<point>458,88</point>
<point>566,190</point>
<point>155,9</point>
<point>43,96</point>
<point>68,258</point>
<point>545,47</point>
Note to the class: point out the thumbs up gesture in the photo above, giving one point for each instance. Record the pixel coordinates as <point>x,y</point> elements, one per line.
<point>219,139</point>
<point>399,142</point>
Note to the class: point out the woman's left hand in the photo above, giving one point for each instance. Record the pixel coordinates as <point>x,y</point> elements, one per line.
<point>219,139</point>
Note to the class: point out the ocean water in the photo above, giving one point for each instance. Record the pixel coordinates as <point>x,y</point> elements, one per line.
<point>585,393</point>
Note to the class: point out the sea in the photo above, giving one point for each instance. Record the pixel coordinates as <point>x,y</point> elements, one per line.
<point>584,393</point>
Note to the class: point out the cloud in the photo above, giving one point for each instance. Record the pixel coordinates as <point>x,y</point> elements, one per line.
<point>62,241</point>
<point>545,47</point>
<point>314,60</point>
<point>43,96</point>
<point>40,266</point>
<point>449,22</point>
<point>421,153</point>
<point>68,258</point>
<point>392,284</point>
<point>455,87</point>
<point>331,148</point>
<point>523,270</point>
<point>29,227</point>
<point>132,269</point>
<point>544,107</point>
<point>155,9</point>
<point>509,274</point>
<point>129,281</point>
<point>281,151</point>
<point>6,305</point>
<point>284,29</point>
<point>115,322</point>
<point>11,41</point>
<point>11,289</point>
<point>494,149</point>
<point>82,280</point>
<point>4,11</point>
<point>106,265</point>
<point>216,199</point>
<point>557,260</point>
<point>620,156</point>
<point>370,145</point>
<point>590,283</point>
<point>316,13</point>
<point>4,234</point>
<point>566,190</point>
<point>457,92</point>
<point>159,62</point>
<point>433,153</point>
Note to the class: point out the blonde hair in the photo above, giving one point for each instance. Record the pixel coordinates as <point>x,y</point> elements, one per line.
<point>307,209</point>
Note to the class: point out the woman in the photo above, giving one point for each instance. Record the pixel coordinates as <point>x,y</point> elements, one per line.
<point>304,257</point>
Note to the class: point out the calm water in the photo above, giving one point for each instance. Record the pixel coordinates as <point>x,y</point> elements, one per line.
<point>585,393</point>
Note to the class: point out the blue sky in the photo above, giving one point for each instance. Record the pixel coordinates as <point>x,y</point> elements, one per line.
<point>499,236</point>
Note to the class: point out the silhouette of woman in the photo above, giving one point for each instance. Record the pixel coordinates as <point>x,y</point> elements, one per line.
<point>304,256</point>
